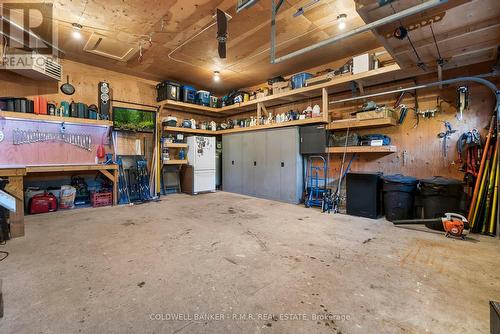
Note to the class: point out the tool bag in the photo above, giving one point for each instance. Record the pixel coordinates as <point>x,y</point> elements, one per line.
<point>366,140</point>
<point>339,139</point>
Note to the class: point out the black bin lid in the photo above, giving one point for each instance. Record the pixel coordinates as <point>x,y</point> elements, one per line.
<point>441,181</point>
<point>399,178</point>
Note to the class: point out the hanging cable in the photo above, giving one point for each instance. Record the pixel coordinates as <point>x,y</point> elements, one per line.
<point>420,63</point>
<point>435,42</point>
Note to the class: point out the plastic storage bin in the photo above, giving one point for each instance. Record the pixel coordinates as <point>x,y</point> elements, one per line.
<point>441,195</point>
<point>188,94</point>
<point>399,196</point>
<point>203,98</point>
<point>299,80</point>
<point>168,90</point>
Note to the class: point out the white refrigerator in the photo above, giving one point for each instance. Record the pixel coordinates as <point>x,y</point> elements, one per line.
<point>201,155</point>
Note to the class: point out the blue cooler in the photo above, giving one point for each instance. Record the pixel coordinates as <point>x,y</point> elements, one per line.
<point>203,98</point>
<point>299,80</point>
<point>188,94</point>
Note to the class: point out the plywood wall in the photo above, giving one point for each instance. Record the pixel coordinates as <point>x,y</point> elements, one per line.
<point>423,147</point>
<point>85,79</point>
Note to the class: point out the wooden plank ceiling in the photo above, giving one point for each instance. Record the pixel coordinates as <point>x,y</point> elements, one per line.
<point>466,31</point>
<point>171,22</point>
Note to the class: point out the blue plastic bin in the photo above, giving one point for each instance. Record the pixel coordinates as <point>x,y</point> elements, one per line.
<point>299,80</point>
<point>188,94</point>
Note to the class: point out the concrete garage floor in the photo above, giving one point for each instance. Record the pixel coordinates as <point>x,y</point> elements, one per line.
<point>220,255</point>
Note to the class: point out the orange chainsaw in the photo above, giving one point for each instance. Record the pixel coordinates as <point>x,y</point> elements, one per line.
<point>453,224</point>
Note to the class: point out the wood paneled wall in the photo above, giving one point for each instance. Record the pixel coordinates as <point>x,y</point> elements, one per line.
<point>85,79</point>
<point>424,150</point>
<point>423,147</point>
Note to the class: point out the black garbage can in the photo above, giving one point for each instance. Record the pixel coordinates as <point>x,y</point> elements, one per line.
<point>441,195</point>
<point>399,196</point>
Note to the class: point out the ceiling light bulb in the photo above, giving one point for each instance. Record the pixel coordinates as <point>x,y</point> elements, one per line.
<point>76,34</point>
<point>76,31</point>
<point>216,76</point>
<point>341,18</point>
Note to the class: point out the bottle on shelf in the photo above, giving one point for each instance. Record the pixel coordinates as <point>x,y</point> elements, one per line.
<point>182,154</point>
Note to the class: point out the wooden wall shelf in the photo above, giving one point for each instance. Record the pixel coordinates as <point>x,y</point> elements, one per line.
<point>363,149</point>
<point>356,124</point>
<point>176,145</point>
<point>175,162</point>
<point>68,168</point>
<point>56,119</point>
<point>189,130</point>
<point>291,96</point>
<point>315,120</point>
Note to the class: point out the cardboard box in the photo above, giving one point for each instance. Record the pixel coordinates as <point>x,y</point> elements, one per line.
<point>281,87</point>
<point>362,63</point>
<point>374,114</point>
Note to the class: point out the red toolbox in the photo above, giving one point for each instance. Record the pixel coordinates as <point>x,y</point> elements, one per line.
<point>101,199</point>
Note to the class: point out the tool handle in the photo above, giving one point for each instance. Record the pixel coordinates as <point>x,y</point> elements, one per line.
<point>450,215</point>
<point>416,221</point>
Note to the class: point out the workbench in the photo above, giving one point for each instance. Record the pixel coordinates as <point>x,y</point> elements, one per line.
<point>17,173</point>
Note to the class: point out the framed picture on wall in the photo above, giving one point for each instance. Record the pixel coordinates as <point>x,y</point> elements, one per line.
<point>128,119</point>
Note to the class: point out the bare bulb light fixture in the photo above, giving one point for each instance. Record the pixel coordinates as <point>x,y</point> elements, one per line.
<point>216,76</point>
<point>76,31</point>
<point>341,21</point>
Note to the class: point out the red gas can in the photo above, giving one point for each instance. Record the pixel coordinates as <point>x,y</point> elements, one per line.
<point>42,203</point>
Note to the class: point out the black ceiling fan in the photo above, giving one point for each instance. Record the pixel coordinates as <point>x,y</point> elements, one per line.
<point>222,32</point>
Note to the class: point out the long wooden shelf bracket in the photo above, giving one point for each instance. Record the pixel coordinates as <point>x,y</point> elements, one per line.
<point>324,105</point>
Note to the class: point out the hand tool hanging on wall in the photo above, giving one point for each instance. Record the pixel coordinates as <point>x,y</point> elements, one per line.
<point>466,141</point>
<point>445,136</point>
<point>21,137</point>
<point>462,101</point>
<point>453,224</point>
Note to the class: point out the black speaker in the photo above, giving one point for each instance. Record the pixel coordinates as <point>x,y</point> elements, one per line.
<point>364,195</point>
<point>104,98</point>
